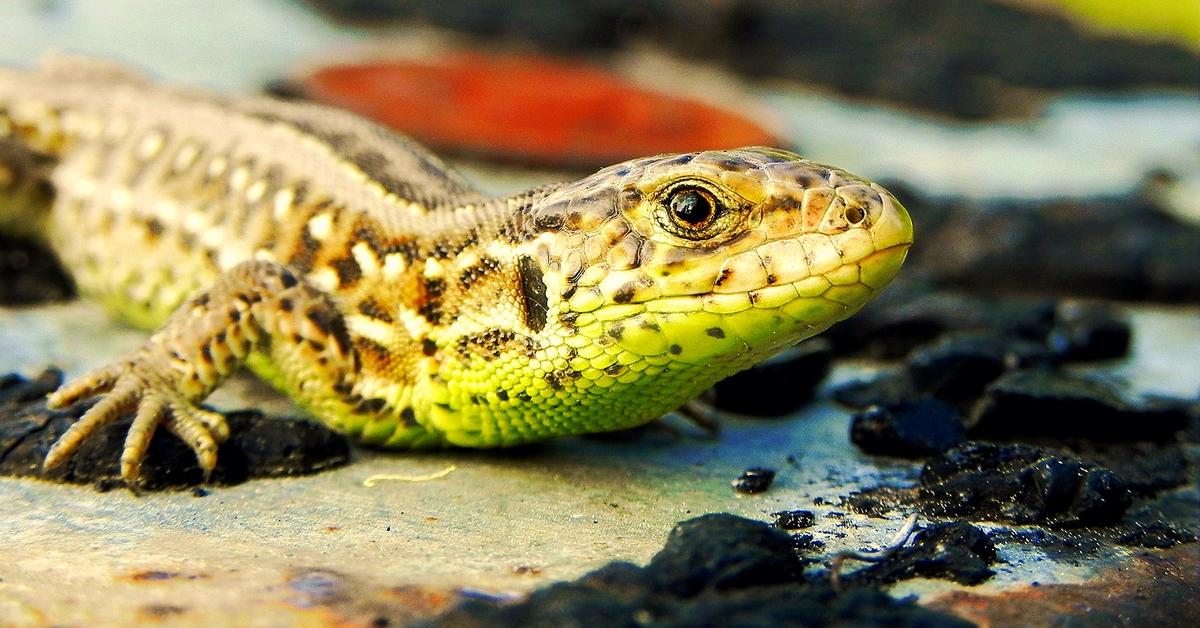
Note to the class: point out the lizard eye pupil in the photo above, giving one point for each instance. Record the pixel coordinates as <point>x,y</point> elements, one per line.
<point>692,207</point>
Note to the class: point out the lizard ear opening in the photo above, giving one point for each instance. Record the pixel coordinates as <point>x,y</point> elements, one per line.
<point>533,293</point>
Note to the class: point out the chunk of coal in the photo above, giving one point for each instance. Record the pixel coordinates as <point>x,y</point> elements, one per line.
<point>780,385</point>
<point>715,568</point>
<point>882,501</point>
<point>1124,249</point>
<point>955,550</point>
<point>1088,331</point>
<point>887,388</point>
<point>794,519</point>
<point>29,273</point>
<point>721,551</point>
<point>1021,484</point>
<point>258,446</point>
<point>957,368</point>
<point>1059,404</point>
<point>754,480</point>
<point>905,317</point>
<point>1147,468</point>
<point>908,429</point>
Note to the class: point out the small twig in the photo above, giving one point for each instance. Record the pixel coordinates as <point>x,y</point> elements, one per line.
<point>393,477</point>
<point>897,542</point>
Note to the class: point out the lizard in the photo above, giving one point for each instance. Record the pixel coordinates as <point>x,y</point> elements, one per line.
<point>356,272</point>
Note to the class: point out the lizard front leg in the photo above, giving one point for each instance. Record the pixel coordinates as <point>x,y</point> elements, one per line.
<point>255,306</point>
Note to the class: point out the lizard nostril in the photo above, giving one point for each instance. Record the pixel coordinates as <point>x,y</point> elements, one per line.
<point>855,215</point>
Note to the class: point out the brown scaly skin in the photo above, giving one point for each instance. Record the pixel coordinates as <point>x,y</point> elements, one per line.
<point>359,275</point>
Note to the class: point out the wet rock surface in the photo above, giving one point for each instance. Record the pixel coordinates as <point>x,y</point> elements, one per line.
<point>962,58</point>
<point>1023,485</point>
<point>716,566</point>
<point>258,447</point>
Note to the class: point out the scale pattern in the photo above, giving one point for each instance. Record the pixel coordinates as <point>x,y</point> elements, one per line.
<point>361,276</point>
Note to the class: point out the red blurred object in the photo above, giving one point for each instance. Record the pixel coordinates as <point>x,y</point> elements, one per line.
<point>528,108</point>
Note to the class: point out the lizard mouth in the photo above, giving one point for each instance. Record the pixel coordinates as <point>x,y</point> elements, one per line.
<point>752,324</point>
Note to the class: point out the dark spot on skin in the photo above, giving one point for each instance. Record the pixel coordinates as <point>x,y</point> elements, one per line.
<point>375,310</point>
<point>162,610</point>
<point>343,389</point>
<point>616,332</point>
<point>715,332</point>
<point>206,354</point>
<point>524,396</point>
<point>152,575</point>
<point>370,406</point>
<point>624,294</point>
<point>675,349</point>
<point>435,287</point>
<point>502,395</point>
<point>735,165</point>
<point>428,347</point>
<point>373,351</point>
<point>569,318</point>
<point>474,272</point>
<point>546,221</point>
<point>754,298</point>
<point>431,311</point>
<point>219,337</point>
<point>630,197</point>
<point>490,344</point>
<point>305,253</point>
<point>614,369</point>
<point>622,171</point>
<point>347,270</point>
<point>726,273</point>
<point>408,250</point>
<point>155,227</point>
<point>319,347</point>
<point>682,159</point>
<point>235,315</point>
<point>475,399</point>
<point>286,304</point>
<point>320,319</point>
<point>569,293</point>
<point>408,417</point>
<point>771,279</point>
<point>289,280</point>
<point>533,293</point>
<point>330,323</point>
<point>555,379</point>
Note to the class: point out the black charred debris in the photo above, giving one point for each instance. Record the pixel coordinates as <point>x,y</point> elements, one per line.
<point>259,446</point>
<point>745,573</point>
<point>973,55</point>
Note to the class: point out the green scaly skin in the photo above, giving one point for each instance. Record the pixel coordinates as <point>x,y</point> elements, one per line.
<point>356,273</point>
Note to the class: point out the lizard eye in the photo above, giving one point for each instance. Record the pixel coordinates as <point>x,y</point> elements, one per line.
<point>692,208</point>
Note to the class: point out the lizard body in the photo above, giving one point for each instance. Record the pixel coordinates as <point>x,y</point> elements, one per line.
<point>361,276</point>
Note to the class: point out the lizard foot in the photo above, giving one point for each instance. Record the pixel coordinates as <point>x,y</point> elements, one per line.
<point>130,385</point>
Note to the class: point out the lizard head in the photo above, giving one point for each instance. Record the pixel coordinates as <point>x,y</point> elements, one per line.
<point>724,255</point>
<point>645,283</point>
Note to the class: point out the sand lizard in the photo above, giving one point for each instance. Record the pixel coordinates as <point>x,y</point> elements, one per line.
<point>358,274</point>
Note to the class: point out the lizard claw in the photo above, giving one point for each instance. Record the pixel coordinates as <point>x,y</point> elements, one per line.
<point>126,388</point>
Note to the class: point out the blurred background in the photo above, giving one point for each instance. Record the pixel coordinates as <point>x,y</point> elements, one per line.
<point>1081,112</point>
<point>1048,151</point>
